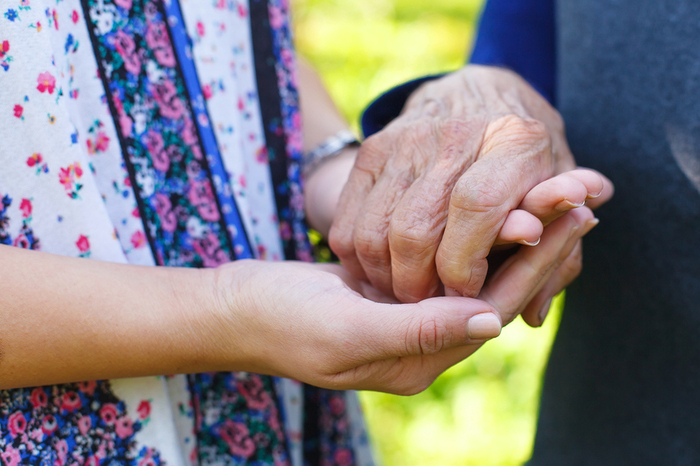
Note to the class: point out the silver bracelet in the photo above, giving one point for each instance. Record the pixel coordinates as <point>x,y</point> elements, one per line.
<point>328,149</point>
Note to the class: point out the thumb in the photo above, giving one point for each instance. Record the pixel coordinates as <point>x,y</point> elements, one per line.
<point>427,327</point>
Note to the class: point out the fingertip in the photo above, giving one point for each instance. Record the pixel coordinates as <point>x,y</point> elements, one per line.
<point>484,326</point>
<point>520,227</point>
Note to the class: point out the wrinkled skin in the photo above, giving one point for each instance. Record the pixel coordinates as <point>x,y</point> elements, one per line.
<point>429,194</point>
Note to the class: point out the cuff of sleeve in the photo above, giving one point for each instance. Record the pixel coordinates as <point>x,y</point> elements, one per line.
<point>389,105</point>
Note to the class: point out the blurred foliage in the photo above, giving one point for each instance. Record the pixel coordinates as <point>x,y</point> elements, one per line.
<point>482,411</point>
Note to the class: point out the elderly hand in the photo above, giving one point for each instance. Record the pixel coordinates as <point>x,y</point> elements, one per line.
<point>429,194</point>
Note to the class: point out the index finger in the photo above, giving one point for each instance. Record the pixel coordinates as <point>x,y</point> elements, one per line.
<point>515,156</point>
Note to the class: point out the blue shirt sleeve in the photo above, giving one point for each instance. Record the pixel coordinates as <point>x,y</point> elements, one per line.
<point>515,34</point>
<point>520,35</point>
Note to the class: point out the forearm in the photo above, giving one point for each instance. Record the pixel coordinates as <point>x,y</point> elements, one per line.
<point>66,319</point>
<point>321,120</point>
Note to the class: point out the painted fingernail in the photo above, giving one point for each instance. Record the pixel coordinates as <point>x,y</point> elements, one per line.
<point>527,243</point>
<point>545,310</point>
<point>567,205</point>
<point>483,327</point>
<point>589,225</point>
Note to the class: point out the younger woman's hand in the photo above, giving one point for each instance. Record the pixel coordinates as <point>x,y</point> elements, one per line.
<point>317,324</point>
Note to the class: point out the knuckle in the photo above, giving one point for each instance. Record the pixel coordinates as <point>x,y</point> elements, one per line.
<point>479,194</point>
<point>571,268</point>
<point>428,336</point>
<point>467,280</point>
<point>340,240</point>
<point>526,130</point>
<point>370,242</point>
<point>413,235</point>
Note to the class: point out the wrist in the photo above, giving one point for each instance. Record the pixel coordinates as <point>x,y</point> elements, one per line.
<point>323,187</point>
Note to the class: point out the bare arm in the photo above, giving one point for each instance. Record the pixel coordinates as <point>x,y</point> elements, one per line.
<point>321,119</point>
<point>69,320</point>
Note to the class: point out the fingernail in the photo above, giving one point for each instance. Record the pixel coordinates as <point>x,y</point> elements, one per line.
<point>545,310</point>
<point>567,205</point>
<point>483,326</point>
<point>573,231</point>
<point>527,243</point>
<point>589,225</point>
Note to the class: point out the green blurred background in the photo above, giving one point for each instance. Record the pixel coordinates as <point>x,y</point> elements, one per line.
<point>482,411</point>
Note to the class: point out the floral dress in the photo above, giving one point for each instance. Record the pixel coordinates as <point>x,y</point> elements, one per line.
<point>161,133</point>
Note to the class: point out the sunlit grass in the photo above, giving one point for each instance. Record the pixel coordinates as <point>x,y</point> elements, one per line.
<point>482,411</point>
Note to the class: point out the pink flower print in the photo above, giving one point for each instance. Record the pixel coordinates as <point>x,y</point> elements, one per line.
<point>92,461</point>
<point>237,437</point>
<point>87,387</point>
<point>125,122</point>
<point>158,40</point>
<point>276,17</point>
<point>68,177</point>
<point>126,4</point>
<point>84,425</point>
<point>4,48</point>
<point>26,208</point>
<point>149,461</point>
<point>196,151</point>
<point>70,401</point>
<point>49,424</point>
<point>11,456</point>
<point>262,252</point>
<point>62,451</point>
<point>174,153</point>
<point>188,135</point>
<point>36,435</point>
<point>200,28</point>
<point>337,404</point>
<point>210,251</point>
<point>124,427</point>
<point>254,393</point>
<point>206,90</point>
<point>138,239</point>
<point>161,161</point>
<point>126,47</point>
<point>108,413</point>
<point>202,197</point>
<point>17,424</point>
<point>261,155</point>
<point>18,110</point>
<point>35,159</point>
<point>83,243</point>
<point>102,142</point>
<point>74,17</point>
<point>343,457</point>
<point>242,11</point>
<point>168,219</point>
<point>38,398</point>
<point>169,102</point>
<point>144,409</point>
<point>154,142</point>
<point>46,82</point>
